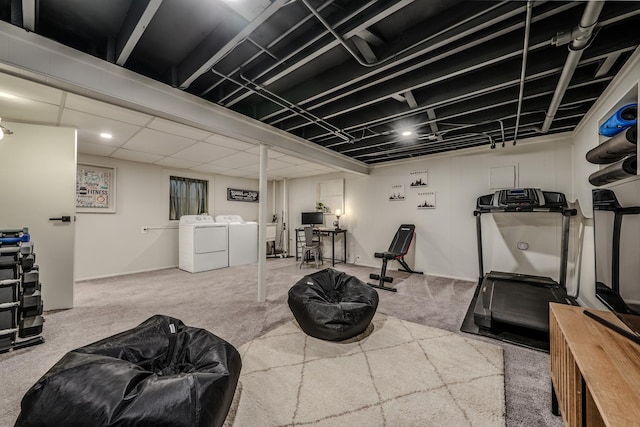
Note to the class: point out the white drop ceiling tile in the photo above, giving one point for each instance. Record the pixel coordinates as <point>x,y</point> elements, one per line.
<point>177,163</point>
<point>208,168</point>
<point>319,167</point>
<point>109,111</point>
<point>292,172</point>
<point>204,152</point>
<point>95,149</point>
<point>178,129</point>
<point>135,156</point>
<point>237,160</point>
<point>270,153</point>
<point>156,142</point>
<point>225,141</point>
<point>28,111</point>
<point>275,154</point>
<point>274,164</point>
<point>90,127</point>
<point>238,173</point>
<point>11,86</point>
<point>293,160</point>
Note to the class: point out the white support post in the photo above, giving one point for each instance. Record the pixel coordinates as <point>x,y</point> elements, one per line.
<point>262,228</point>
<point>285,215</point>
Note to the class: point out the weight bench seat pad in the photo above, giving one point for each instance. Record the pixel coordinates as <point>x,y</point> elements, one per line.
<point>160,373</point>
<point>332,305</point>
<point>400,244</point>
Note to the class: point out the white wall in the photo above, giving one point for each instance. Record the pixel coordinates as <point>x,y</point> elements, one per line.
<point>622,89</point>
<point>113,244</point>
<point>446,236</point>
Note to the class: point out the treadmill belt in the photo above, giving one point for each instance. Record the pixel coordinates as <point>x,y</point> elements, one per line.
<point>524,337</point>
<point>525,305</point>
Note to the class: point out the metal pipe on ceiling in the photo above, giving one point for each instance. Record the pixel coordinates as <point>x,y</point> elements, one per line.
<point>301,111</point>
<point>371,73</point>
<point>424,51</point>
<point>428,61</point>
<point>581,36</point>
<point>525,50</point>
<point>273,43</point>
<point>283,103</point>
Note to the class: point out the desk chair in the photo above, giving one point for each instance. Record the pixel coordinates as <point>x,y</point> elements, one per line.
<point>311,247</point>
<point>397,250</point>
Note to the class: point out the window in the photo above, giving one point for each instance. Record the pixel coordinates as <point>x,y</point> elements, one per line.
<point>187,197</point>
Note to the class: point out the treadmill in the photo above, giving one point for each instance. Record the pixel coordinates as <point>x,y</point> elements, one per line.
<point>513,299</point>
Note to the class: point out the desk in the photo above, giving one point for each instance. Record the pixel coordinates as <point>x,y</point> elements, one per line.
<point>327,232</point>
<point>595,372</point>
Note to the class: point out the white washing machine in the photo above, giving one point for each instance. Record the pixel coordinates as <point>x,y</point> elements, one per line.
<point>203,244</point>
<point>243,239</point>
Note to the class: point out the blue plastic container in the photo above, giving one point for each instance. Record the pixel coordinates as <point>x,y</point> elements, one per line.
<point>620,120</point>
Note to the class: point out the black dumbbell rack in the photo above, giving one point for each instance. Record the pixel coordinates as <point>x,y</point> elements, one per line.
<point>21,305</point>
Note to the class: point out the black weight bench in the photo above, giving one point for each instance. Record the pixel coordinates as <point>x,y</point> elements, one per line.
<point>397,250</point>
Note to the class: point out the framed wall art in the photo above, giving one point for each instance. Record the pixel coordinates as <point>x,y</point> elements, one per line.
<point>396,192</point>
<point>427,200</point>
<point>419,179</point>
<point>95,188</point>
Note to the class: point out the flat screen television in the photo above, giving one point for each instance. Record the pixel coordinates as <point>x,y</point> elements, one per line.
<point>616,236</point>
<point>312,218</point>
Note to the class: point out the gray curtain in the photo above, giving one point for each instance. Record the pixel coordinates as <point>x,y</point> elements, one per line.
<point>187,197</point>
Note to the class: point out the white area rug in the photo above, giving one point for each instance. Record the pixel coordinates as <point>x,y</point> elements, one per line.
<point>401,374</point>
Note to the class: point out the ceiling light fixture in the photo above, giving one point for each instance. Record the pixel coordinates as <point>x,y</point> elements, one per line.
<point>406,133</point>
<point>106,135</point>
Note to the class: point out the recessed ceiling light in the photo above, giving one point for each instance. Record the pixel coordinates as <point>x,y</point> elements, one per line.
<point>106,135</point>
<point>406,133</point>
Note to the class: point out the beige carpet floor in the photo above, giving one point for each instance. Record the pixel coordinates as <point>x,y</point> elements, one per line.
<point>224,302</point>
<point>397,373</point>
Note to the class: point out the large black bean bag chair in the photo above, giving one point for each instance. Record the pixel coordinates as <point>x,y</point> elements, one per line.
<point>331,305</point>
<point>160,373</point>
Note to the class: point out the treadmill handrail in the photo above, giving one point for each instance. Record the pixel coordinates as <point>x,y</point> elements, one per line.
<point>564,246</point>
<point>563,211</point>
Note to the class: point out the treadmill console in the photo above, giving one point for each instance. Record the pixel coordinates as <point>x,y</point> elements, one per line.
<point>522,199</point>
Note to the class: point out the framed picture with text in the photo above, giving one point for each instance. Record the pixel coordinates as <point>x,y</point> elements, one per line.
<point>95,188</point>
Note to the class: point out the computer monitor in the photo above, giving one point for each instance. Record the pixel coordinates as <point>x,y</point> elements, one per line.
<point>312,218</point>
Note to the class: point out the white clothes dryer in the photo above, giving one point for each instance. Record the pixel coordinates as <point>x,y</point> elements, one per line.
<point>203,244</point>
<point>243,239</point>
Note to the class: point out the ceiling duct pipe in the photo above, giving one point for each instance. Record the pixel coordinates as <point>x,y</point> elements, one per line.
<point>523,72</point>
<point>580,38</point>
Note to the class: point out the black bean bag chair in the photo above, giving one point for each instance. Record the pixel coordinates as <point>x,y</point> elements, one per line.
<point>331,305</point>
<point>160,373</point>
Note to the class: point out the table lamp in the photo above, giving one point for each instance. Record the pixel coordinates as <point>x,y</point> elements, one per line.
<point>336,223</point>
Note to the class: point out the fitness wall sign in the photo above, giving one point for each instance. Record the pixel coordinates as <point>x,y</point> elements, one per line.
<point>236,195</point>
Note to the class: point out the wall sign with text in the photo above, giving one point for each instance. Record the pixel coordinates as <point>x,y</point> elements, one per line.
<point>236,195</point>
<point>95,188</point>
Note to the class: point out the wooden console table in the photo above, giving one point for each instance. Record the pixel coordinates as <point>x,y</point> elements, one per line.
<point>594,370</point>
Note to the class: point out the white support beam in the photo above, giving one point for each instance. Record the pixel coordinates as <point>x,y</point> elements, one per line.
<point>28,55</point>
<point>398,97</point>
<point>138,17</point>
<point>411,101</point>
<point>370,38</point>
<point>364,49</point>
<point>431,113</point>
<point>606,65</point>
<point>29,15</point>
